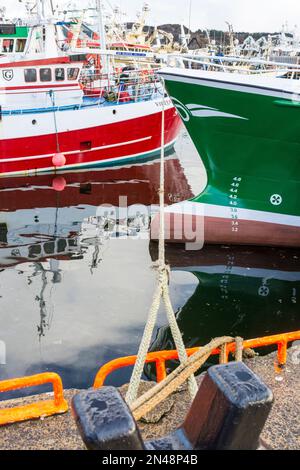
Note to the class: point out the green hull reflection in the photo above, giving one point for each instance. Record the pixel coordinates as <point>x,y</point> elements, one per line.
<point>248,292</point>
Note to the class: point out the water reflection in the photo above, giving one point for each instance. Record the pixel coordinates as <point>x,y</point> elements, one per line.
<point>75,268</point>
<point>76,279</point>
<point>37,223</point>
<point>237,291</point>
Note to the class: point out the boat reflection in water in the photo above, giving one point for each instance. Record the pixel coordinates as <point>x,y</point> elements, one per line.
<point>38,223</point>
<point>235,291</point>
<point>64,273</point>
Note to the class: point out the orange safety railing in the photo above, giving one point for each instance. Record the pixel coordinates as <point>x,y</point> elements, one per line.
<point>38,409</point>
<point>159,358</point>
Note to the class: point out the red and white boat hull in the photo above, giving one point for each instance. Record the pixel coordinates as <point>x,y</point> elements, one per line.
<point>87,136</point>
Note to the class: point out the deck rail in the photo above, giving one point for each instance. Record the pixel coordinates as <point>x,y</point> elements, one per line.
<point>117,88</point>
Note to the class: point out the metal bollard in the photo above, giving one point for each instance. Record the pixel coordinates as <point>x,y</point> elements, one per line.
<point>229,412</point>
<point>105,421</point>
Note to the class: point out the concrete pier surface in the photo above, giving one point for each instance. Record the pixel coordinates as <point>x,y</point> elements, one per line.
<point>282,430</point>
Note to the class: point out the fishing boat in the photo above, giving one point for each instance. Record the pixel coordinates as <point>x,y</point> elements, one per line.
<point>246,130</point>
<point>58,112</point>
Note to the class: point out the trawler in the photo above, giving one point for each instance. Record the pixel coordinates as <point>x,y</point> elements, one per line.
<point>60,112</point>
<point>246,130</point>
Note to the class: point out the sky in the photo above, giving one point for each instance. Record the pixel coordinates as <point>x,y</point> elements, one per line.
<point>252,15</point>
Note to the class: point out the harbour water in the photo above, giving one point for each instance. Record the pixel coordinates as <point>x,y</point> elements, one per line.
<point>75,288</point>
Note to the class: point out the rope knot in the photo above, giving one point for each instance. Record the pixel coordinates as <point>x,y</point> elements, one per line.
<point>164,273</point>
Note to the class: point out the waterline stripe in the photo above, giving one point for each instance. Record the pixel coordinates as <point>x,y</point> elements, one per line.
<point>210,210</point>
<point>86,165</point>
<point>37,157</point>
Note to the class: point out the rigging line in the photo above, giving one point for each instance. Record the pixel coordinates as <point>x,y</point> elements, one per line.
<point>190,14</point>
<point>56,215</point>
<point>51,94</point>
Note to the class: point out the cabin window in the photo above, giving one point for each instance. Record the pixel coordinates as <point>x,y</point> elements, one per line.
<point>8,45</point>
<point>20,45</point>
<point>73,74</point>
<point>45,75</point>
<point>35,251</point>
<point>59,74</point>
<point>30,75</point>
<point>3,233</point>
<point>61,245</point>
<point>49,248</point>
<point>8,29</point>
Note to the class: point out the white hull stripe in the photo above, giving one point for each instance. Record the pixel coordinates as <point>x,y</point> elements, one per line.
<point>223,212</point>
<point>52,169</point>
<point>36,157</point>
<point>229,86</point>
<point>30,92</point>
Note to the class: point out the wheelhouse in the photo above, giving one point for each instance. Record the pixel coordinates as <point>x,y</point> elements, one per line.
<point>38,72</point>
<point>13,39</point>
<point>35,82</point>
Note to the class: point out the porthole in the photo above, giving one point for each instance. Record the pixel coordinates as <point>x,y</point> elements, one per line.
<point>34,122</point>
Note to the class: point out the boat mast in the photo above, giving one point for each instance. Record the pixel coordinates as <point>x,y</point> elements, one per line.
<point>39,9</point>
<point>43,35</point>
<point>101,28</point>
<point>102,35</point>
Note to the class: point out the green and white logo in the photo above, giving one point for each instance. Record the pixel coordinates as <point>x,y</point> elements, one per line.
<point>200,111</point>
<point>276,199</point>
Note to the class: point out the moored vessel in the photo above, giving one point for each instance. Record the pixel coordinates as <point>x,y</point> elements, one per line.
<point>246,130</point>
<point>59,111</point>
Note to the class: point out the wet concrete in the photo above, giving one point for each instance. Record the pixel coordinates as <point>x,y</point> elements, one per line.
<point>54,433</point>
<point>282,430</point>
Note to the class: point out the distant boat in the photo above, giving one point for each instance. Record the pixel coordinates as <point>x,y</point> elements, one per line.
<point>247,131</point>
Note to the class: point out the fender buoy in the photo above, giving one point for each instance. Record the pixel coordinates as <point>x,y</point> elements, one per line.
<point>59,160</point>
<point>59,183</point>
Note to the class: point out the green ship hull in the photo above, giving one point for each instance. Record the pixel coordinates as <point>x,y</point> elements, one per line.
<point>247,132</point>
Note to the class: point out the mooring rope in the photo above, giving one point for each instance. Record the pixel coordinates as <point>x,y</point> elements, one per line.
<point>161,292</point>
<point>51,94</point>
<point>149,400</point>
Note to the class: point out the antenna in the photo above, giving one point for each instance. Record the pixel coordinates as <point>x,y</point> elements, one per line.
<point>190,14</point>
